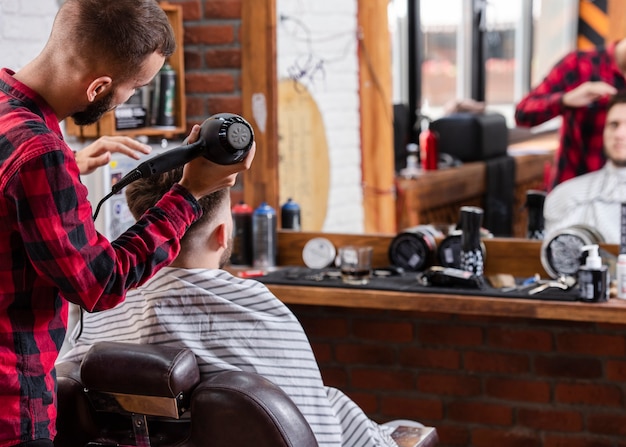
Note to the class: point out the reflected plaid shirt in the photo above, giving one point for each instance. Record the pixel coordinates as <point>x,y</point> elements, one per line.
<point>580,149</point>
<point>50,249</point>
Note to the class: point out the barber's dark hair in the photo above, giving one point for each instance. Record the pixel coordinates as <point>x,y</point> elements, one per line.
<point>122,33</point>
<point>143,194</point>
<point>618,98</point>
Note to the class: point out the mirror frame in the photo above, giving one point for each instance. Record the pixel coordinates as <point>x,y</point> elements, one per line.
<point>259,91</point>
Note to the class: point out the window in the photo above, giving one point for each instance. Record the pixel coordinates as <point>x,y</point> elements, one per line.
<point>521,40</point>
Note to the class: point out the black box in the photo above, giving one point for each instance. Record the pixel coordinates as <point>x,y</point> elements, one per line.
<point>472,136</point>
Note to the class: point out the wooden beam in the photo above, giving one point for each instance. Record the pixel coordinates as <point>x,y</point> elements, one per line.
<point>259,96</point>
<point>617,20</point>
<point>376,117</point>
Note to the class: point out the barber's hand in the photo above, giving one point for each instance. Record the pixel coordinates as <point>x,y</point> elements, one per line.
<point>464,105</point>
<point>193,135</point>
<point>99,152</point>
<point>588,92</point>
<point>202,177</point>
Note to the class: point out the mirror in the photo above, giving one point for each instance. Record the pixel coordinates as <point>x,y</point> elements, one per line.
<point>264,89</point>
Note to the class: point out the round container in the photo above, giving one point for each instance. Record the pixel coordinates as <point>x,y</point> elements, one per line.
<point>318,253</point>
<point>561,251</point>
<point>449,250</point>
<point>413,249</point>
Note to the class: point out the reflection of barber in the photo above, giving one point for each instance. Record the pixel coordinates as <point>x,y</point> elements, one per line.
<point>98,53</point>
<point>595,199</point>
<point>578,88</point>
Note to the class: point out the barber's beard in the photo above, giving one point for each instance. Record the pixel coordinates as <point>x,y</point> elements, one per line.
<point>225,258</point>
<point>94,111</point>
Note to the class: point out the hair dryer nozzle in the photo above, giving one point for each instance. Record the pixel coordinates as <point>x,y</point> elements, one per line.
<point>228,138</point>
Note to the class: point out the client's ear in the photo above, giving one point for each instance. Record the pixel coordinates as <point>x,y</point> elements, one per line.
<point>221,235</point>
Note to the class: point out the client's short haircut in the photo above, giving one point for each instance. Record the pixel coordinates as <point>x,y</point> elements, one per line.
<point>143,194</point>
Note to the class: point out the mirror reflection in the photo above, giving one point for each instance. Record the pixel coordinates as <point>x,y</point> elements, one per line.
<point>433,71</point>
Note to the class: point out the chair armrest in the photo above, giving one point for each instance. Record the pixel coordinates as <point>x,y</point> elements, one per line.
<point>244,408</point>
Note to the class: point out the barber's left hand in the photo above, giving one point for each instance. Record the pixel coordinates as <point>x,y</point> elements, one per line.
<point>99,152</point>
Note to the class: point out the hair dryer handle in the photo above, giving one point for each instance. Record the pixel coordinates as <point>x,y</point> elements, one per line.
<point>166,161</point>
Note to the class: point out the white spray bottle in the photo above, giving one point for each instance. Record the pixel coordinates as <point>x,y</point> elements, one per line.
<point>593,277</point>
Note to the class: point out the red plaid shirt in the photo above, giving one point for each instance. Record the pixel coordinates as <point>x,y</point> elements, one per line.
<point>49,248</point>
<point>581,148</point>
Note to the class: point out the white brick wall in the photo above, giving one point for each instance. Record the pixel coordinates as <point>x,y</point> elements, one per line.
<point>24,29</point>
<point>332,30</point>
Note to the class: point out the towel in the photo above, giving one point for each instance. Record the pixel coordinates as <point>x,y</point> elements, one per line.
<point>499,195</point>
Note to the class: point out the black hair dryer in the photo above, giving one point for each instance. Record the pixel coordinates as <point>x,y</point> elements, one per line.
<point>225,138</point>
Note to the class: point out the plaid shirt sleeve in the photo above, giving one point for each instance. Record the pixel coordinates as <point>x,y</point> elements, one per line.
<point>54,220</point>
<point>544,101</point>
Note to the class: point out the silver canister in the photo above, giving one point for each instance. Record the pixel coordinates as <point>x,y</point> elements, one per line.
<point>264,242</point>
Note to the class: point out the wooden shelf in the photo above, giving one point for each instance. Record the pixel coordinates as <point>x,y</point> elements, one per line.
<point>106,125</point>
<point>514,256</point>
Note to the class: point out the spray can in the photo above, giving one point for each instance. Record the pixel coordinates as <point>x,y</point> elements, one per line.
<point>290,216</point>
<point>163,104</point>
<point>242,234</point>
<point>429,149</point>
<point>264,243</point>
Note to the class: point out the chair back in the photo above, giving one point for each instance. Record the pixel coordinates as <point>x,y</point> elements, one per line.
<point>152,395</point>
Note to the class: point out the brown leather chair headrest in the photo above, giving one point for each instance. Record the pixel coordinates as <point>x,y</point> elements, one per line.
<point>139,369</point>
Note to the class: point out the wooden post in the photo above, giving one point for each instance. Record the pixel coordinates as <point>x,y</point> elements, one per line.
<point>617,20</point>
<point>376,117</point>
<point>259,94</point>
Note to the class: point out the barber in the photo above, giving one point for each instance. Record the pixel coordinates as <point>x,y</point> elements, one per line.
<point>98,53</point>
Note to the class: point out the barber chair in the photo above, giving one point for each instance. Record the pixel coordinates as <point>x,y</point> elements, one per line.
<point>125,394</point>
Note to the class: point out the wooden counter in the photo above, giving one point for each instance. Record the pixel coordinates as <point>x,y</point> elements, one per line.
<point>614,311</point>
<point>515,256</point>
<point>435,197</point>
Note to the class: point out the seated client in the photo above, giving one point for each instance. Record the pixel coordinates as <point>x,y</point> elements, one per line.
<point>594,199</point>
<point>228,322</point>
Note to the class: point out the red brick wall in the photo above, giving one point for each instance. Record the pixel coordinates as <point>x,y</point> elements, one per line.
<point>212,57</point>
<point>212,61</point>
<point>483,382</point>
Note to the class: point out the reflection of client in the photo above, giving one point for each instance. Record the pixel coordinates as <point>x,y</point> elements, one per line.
<point>228,322</point>
<point>594,199</point>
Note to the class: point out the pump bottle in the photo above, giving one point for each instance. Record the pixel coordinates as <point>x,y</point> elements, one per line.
<point>593,277</point>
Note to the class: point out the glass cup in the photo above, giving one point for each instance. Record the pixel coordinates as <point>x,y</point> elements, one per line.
<point>355,264</point>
